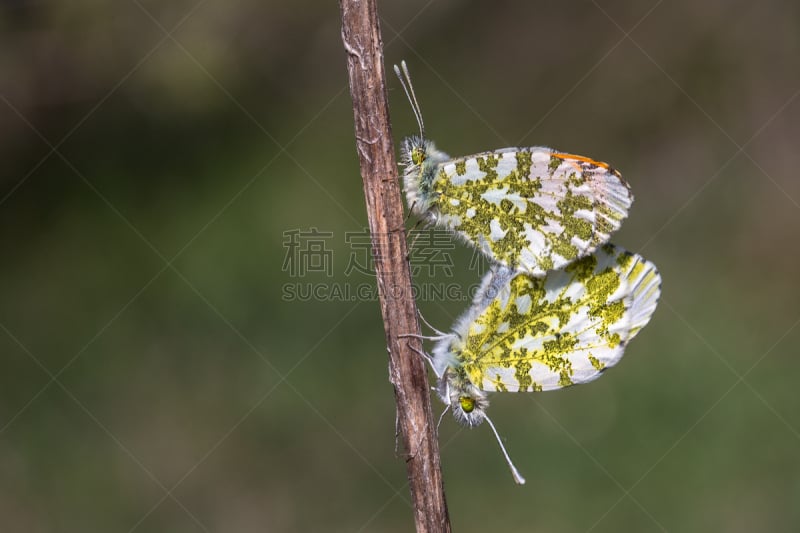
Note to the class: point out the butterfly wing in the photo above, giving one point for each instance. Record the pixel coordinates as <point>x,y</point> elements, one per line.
<point>532,209</point>
<point>563,329</point>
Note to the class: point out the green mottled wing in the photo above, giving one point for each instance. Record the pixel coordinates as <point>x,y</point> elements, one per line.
<point>532,209</point>
<point>566,328</point>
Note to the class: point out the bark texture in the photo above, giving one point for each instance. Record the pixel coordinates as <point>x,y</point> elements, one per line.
<point>364,47</point>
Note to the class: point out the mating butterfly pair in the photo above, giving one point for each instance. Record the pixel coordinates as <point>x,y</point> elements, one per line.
<point>560,303</point>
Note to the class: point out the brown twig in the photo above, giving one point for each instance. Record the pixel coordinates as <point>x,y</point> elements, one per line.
<point>362,41</point>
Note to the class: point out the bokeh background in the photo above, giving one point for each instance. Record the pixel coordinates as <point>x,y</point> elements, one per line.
<point>177,176</point>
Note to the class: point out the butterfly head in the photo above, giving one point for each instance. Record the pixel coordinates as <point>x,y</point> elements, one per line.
<point>469,404</point>
<point>414,151</point>
<point>421,160</point>
<point>462,396</point>
<point>467,401</point>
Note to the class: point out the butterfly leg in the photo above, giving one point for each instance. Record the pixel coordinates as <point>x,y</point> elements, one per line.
<point>441,417</point>
<point>409,455</point>
<point>416,233</point>
<point>424,337</point>
<point>413,454</point>
<point>423,354</point>
<point>396,434</point>
<point>405,221</point>
<point>438,332</point>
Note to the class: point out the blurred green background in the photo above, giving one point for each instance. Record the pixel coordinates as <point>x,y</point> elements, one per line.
<point>166,164</point>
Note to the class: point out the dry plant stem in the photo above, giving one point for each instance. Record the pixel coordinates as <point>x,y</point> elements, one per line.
<point>364,48</point>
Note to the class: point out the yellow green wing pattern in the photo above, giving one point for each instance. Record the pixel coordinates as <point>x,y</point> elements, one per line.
<point>532,209</point>
<point>546,333</point>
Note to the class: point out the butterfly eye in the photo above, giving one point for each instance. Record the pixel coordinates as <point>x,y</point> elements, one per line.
<point>467,404</point>
<point>417,156</point>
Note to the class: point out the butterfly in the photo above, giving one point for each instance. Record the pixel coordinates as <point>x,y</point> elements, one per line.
<point>531,209</point>
<point>530,334</point>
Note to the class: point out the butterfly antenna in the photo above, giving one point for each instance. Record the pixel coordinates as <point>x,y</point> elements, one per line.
<point>405,81</point>
<point>514,472</point>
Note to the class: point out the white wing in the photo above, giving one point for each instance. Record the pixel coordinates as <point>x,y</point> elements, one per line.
<point>552,332</point>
